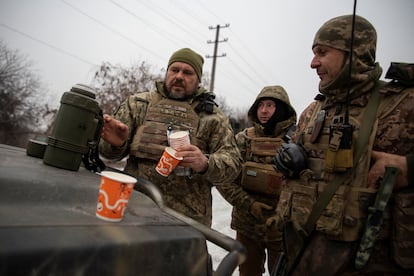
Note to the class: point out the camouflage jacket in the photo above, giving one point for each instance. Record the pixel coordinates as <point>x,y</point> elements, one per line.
<point>241,199</point>
<point>394,133</point>
<point>188,195</point>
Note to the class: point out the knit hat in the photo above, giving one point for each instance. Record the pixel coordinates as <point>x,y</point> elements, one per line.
<point>190,57</point>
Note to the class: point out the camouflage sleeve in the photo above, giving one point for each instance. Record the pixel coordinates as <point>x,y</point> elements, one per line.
<point>224,157</point>
<point>303,121</point>
<point>395,131</point>
<point>130,112</point>
<point>241,141</point>
<point>235,195</point>
<point>233,192</point>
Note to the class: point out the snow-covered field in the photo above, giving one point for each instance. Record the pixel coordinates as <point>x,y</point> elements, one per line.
<point>221,223</point>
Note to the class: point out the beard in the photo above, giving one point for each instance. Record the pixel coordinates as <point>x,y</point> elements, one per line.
<point>178,94</point>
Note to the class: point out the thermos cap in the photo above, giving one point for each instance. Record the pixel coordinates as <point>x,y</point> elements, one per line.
<point>84,90</point>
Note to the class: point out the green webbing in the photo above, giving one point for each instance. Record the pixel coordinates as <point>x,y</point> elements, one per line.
<point>362,142</point>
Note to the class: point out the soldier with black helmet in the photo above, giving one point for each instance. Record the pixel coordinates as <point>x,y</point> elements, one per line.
<point>350,211</point>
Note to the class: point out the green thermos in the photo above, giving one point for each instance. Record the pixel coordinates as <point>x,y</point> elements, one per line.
<point>77,127</point>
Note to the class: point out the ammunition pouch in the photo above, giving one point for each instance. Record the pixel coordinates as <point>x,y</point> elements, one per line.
<point>261,178</point>
<point>403,230</point>
<point>339,155</point>
<point>338,160</point>
<point>342,219</point>
<point>302,197</point>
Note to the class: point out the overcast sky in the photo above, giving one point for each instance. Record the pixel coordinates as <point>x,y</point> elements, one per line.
<point>268,41</point>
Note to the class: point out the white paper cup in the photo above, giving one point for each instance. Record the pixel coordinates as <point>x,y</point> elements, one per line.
<point>179,138</point>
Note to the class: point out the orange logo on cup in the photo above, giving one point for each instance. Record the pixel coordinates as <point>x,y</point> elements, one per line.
<point>114,193</point>
<point>167,162</point>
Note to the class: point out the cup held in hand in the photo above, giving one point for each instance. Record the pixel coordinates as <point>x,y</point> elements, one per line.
<point>179,138</point>
<point>167,162</point>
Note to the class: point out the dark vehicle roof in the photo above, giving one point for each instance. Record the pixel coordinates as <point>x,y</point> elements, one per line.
<point>48,226</point>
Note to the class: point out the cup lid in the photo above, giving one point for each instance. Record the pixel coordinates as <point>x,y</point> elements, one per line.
<point>118,177</point>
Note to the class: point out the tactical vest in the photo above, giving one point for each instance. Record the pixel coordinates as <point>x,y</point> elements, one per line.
<point>258,173</point>
<point>162,115</point>
<point>344,217</point>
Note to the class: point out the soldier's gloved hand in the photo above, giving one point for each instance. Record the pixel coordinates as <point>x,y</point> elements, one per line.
<point>257,209</point>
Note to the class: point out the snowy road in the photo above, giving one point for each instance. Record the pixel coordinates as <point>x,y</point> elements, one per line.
<point>221,223</point>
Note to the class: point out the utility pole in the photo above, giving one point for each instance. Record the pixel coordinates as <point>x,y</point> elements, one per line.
<point>215,56</point>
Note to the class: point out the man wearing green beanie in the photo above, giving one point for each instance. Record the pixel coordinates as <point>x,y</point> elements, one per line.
<point>141,126</point>
<point>190,57</point>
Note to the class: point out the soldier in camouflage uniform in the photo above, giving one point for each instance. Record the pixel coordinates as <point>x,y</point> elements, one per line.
<point>139,129</point>
<point>255,193</point>
<point>332,246</point>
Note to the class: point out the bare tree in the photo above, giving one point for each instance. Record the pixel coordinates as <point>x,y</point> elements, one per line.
<point>114,83</point>
<point>20,112</point>
<point>238,118</point>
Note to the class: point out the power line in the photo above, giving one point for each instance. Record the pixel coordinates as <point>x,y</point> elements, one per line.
<point>239,42</point>
<point>153,26</point>
<point>251,53</point>
<point>242,71</point>
<point>165,15</point>
<point>47,44</point>
<point>113,30</point>
<point>248,64</point>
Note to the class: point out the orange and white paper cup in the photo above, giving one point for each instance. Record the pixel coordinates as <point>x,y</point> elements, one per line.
<point>167,162</point>
<point>114,193</point>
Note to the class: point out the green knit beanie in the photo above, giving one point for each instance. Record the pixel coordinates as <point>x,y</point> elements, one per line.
<point>190,57</point>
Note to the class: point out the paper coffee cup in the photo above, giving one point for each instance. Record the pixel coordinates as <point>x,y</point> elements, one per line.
<point>114,193</point>
<point>179,138</point>
<point>167,162</point>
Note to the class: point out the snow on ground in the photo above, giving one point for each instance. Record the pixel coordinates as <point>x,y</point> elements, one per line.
<point>221,222</point>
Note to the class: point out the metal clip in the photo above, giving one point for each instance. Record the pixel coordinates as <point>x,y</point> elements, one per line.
<point>335,140</point>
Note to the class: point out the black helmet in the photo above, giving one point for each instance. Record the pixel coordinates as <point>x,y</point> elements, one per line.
<point>290,159</point>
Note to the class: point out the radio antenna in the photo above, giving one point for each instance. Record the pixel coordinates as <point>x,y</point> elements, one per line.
<point>350,64</point>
